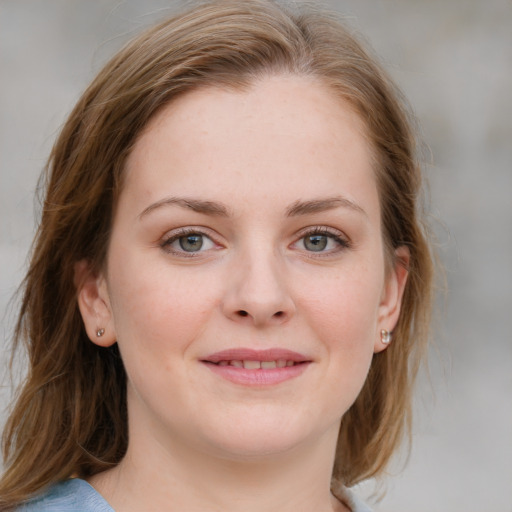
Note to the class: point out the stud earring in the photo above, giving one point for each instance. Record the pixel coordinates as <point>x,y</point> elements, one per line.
<point>100,333</point>
<point>385,336</point>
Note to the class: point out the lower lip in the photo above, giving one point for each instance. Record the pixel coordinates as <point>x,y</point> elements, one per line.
<point>259,377</point>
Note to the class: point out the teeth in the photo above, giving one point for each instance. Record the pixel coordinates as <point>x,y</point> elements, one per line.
<point>256,365</point>
<point>252,365</point>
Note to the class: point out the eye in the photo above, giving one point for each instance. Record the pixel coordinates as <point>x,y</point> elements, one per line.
<point>316,243</point>
<point>322,240</point>
<point>188,241</point>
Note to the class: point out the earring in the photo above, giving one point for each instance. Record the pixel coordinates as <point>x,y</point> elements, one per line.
<point>100,333</point>
<point>385,336</point>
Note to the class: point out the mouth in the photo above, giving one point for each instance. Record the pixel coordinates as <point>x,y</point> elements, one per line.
<point>257,367</point>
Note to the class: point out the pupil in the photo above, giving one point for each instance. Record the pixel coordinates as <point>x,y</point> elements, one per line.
<point>315,242</point>
<point>191,243</point>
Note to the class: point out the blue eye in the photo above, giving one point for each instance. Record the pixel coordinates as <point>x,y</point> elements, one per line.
<point>322,241</point>
<point>191,243</point>
<point>315,243</point>
<point>188,242</point>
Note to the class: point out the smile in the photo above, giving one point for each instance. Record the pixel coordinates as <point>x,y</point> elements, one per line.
<point>257,365</point>
<point>258,368</point>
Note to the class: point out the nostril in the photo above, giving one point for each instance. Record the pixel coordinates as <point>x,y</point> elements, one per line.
<point>279,314</point>
<point>243,313</point>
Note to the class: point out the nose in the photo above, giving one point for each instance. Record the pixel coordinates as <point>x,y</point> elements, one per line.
<point>257,292</point>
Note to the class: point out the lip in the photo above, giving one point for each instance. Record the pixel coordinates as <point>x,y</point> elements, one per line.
<point>261,376</point>
<point>248,354</point>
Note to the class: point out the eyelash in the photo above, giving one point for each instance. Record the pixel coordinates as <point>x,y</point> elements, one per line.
<point>182,233</point>
<point>334,235</point>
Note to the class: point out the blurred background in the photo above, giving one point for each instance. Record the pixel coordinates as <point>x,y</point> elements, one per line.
<point>453,59</point>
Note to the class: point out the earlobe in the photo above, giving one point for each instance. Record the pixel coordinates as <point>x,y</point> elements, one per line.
<point>391,303</point>
<point>94,305</point>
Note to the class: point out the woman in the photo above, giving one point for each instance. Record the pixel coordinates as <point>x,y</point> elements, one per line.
<point>230,286</point>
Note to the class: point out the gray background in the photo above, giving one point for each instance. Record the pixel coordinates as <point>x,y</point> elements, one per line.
<point>453,58</point>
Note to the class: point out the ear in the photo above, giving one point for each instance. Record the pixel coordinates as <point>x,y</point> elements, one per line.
<point>94,305</point>
<point>391,301</point>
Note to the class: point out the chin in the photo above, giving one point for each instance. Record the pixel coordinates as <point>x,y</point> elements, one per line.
<point>254,450</point>
<point>262,439</point>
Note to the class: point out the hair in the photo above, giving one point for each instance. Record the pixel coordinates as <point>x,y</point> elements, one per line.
<point>70,418</point>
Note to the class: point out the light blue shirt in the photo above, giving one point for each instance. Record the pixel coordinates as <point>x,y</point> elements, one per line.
<point>74,495</point>
<point>77,495</point>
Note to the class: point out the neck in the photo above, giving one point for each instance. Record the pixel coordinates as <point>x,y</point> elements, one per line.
<point>153,476</point>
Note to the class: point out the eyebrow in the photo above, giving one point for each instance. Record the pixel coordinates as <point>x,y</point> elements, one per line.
<point>218,209</point>
<point>322,205</point>
<point>197,205</point>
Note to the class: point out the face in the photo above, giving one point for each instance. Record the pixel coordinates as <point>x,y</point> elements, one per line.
<point>245,280</point>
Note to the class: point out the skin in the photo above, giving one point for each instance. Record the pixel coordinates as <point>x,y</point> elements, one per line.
<point>197,440</point>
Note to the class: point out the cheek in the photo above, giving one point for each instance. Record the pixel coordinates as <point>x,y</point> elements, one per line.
<point>158,311</point>
<point>346,305</point>
<point>343,314</point>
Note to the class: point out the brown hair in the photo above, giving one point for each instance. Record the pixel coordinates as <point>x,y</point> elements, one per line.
<point>70,416</point>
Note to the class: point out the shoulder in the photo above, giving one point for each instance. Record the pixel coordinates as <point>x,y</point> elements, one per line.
<point>74,495</point>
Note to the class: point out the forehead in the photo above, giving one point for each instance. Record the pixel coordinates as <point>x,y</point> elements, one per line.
<point>289,102</point>
<point>286,131</point>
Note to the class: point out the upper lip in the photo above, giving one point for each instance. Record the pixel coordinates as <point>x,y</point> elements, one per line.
<point>248,354</point>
